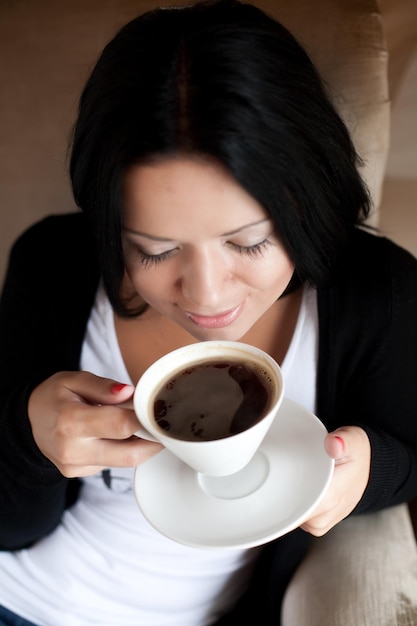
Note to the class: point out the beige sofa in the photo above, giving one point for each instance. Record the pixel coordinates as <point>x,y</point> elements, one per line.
<point>364,572</point>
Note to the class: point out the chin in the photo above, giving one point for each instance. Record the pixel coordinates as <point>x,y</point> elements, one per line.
<point>218,334</point>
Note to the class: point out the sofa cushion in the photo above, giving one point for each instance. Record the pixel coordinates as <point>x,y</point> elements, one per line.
<point>362,573</point>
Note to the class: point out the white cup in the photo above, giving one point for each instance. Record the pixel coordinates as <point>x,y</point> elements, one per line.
<point>220,456</point>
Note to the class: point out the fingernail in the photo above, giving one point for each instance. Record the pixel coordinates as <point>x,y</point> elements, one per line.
<point>117,387</point>
<point>340,440</point>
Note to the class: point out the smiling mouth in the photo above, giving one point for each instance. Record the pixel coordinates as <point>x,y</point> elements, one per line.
<point>215,321</point>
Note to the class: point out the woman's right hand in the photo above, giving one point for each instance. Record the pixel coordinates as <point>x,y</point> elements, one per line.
<point>78,426</point>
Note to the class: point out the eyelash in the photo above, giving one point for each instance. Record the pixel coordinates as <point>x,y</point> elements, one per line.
<point>153,259</point>
<point>253,251</point>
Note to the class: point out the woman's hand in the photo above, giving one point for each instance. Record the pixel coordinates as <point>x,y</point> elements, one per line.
<point>77,424</point>
<point>350,448</point>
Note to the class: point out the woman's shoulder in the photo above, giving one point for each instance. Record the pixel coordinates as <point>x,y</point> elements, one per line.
<point>54,239</point>
<point>374,260</point>
<point>370,243</point>
<point>374,276</point>
<point>54,231</point>
<point>57,250</point>
<point>381,263</point>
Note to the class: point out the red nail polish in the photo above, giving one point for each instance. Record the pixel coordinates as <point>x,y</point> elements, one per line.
<point>117,387</point>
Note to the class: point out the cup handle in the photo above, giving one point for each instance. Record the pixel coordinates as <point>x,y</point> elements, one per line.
<point>143,434</point>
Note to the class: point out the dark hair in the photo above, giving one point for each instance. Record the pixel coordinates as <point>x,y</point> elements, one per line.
<point>223,80</point>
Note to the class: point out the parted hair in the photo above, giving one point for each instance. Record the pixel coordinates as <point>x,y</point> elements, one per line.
<point>223,80</point>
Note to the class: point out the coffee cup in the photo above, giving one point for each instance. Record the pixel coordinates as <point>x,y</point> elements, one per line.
<point>210,403</point>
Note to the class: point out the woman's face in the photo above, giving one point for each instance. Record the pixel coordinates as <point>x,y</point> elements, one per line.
<point>199,249</point>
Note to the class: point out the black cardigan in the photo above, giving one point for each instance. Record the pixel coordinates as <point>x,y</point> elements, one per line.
<point>367,369</point>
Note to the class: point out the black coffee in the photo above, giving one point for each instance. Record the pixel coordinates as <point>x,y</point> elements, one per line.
<point>212,400</point>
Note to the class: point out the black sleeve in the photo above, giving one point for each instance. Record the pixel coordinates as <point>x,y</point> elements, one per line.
<point>368,364</point>
<point>47,294</point>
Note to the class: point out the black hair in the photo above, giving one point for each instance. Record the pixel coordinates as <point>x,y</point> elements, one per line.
<point>223,80</point>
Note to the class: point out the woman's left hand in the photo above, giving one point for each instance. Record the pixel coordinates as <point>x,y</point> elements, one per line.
<point>350,448</point>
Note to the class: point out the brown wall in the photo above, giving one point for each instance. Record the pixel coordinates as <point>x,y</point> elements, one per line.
<point>47,48</point>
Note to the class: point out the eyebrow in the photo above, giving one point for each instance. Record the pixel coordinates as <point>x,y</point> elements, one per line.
<point>228,234</point>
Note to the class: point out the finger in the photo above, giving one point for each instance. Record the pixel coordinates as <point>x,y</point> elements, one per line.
<point>344,443</point>
<point>98,422</point>
<point>104,453</point>
<point>96,389</point>
<point>130,453</point>
<point>127,405</point>
<point>335,446</point>
<point>350,448</point>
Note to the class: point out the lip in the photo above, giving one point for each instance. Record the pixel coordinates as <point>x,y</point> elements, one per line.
<point>215,321</point>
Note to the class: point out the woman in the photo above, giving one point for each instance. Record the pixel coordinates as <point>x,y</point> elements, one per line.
<point>219,199</point>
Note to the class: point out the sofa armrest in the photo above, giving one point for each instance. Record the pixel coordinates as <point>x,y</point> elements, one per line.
<point>413,514</point>
<point>364,571</point>
<point>347,43</point>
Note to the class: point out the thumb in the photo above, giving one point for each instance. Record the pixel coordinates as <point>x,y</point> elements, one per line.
<point>335,444</point>
<point>348,443</point>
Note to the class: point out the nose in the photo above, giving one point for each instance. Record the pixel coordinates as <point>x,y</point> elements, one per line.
<point>203,278</point>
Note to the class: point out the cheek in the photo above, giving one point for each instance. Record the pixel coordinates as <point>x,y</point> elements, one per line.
<point>142,283</point>
<point>151,284</point>
<point>273,274</point>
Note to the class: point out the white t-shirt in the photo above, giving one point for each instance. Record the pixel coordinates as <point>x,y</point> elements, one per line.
<point>105,565</point>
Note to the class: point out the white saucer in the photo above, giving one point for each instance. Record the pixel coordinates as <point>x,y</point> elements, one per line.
<point>272,496</point>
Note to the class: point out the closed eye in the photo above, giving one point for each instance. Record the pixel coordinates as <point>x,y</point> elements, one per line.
<point>153,259</point>
<point>254,250</point>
